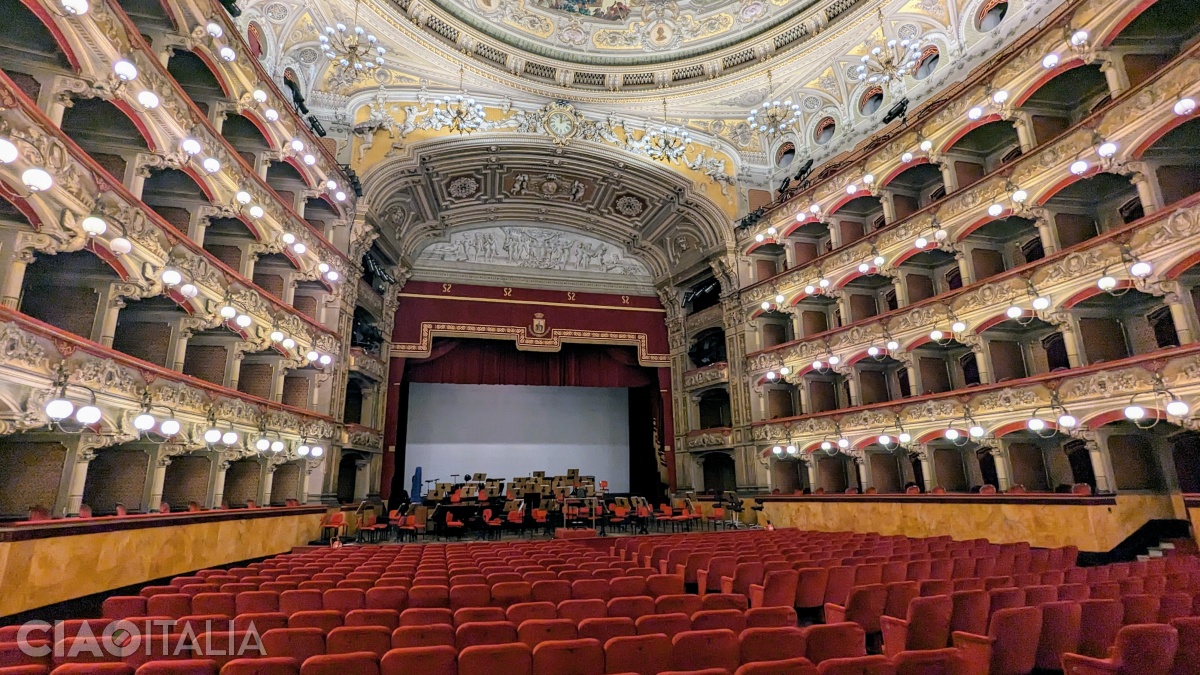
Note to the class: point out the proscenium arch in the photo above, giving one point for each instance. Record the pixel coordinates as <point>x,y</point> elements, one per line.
<point>673,206</point>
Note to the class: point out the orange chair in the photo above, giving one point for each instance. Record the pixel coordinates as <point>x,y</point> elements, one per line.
<point>334,525</point>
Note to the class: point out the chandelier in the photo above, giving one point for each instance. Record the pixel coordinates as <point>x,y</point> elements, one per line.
<point>667,143</point>
<point>459,113</point>
<point>355,51</point>
<point>773,118</point>
<point>890,63</point>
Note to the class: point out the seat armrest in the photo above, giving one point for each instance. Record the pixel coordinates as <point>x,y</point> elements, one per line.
<point>976,651</point>
<point>662,567</point>
<point>680,570</point>
<point>895,635</point>
<point>1076,664</point>
<point>726,584</point>
<point>834,613</point>
<point>756,595</point>
<point>701,582</point>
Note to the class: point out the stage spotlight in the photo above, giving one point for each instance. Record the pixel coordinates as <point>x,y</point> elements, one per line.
<point>896,111</point>
<point>315,124</point>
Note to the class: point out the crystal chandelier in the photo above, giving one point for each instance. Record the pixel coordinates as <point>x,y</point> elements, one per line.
<point>773,118</point>
<point>667,143</point>
<point>459,113</point>
<point>890,63</point>
<point>354,51</point>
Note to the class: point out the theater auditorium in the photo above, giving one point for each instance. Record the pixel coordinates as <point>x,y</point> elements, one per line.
<point>599,337</point>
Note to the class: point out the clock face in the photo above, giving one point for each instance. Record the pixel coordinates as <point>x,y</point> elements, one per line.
<point>560,124</point>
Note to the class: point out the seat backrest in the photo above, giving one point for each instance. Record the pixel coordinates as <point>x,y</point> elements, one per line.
<point>484,633</point>
<point>858,665</point>
<point>969,612</point>
<point>511,659</point>
<point>770,617</point>
<point>745,574</point>
<point>530,610</point>
<point>730,619</point>
<point>348,639</point>
<point>700,649</point>
<point>667,624</point>
<point>945,661</point>
<point>1187,655</point>
<point>1103,619</point>
<point>298,643</point>
<point>421,616</point>
<point>641,654</point>
<point>432,660</point>
<point>1013,631</point>
<point>838,584</point>
<point>1148,648</point>
<point>423,636</point>
<point>536,631</point>
<point>899,595</point>
<point>834,641</point>
<point>607,628</point>
<point>632,607</point>
<point>583,656</point>
<point>1060,633</point>
<point>770,644</point>
<point>929,622</point>
<point>810,588</point>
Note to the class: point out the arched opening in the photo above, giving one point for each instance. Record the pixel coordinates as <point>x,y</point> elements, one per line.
<point>105,133</point>
<point>785,155</point>
<point>982,150</point>
<point>1137,455</point>
<point>824,131</point>
<point>149,16</point>
<point>708,347</point>
<point>1017,348</point>
<point>353,409</point>
<point>246,137</point>
<point>1175,159</point>
<point>929,273</point>
<point>1117,327</point>
<point>818,313</point>
<point>869,295</point>
<point>775,328</point>
<point>275,273</point>
<point>719,475</point>
<point>871,101</point>
<point>33,470</point>
<point>229,240</point>
<point>198,81</point>
<point>186,481</point>
<point>881,379</point>
<point>174,195</point>
<point>887,475</point>
<point>117,476</point>
<point>26,44</point>
<point>287,482</point>
<point>915,188</point>
<point>930,59</point>
<point>347,476</point>
<point>942,366</point>
<point>242,481</point>
<point>768,259</point>
<point>857,218</point>
<point>824,391</point>
<point>1155,37</point>
<point>702,295</point>
<point>836,473</point>
<point>365,333</point>
<point>1064,100</point>
<point>714,409</point>
<point>1093,205</point>
<point>789,476</point>
<point>147,329</point>
<point>1000,245</point>
<point>320,214</point>
<point>1048,461</point>
<point>781,399</point>
<point>66,290</point>
<point>991,14</point>
<point>286,181</point>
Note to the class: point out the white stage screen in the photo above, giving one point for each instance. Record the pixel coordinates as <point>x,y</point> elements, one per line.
<point>508,431</point>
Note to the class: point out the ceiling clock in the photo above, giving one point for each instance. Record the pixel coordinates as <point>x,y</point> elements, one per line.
<point>561,122</point>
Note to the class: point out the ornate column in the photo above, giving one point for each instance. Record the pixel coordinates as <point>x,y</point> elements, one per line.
<point>216,481</point>
<point>1097,446</point>
<point>1023,125</point>
<point>810,465</point>
<point>886,199</point>
<point>1068,325</point>
<point>16,253</point>
<point>999,454</point>
<point>925,456</point>
<point>982,361</point>
<point>1183,311</point>
<point>160,459</point>
<point>362,479</point>
<point>1146,181</point>
<point>906,471</point>
<point>1047,232</point>
<point>866,479</point>
<point>1113,67</point>
<point>266,483</point>
<point>901,285</point>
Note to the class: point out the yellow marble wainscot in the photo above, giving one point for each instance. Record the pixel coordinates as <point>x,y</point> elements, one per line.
<point>39,572</point>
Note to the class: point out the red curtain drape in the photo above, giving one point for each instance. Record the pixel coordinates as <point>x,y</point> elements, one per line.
<point>455,361</point>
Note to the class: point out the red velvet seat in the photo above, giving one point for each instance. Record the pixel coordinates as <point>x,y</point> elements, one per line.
<point>838,583</point>
<point>969,612</point>
<point>603,630</point>
<point>627,586</point>
<point>568,657</point>
<point>387,618</point>
<point>834,641</point>
<point>708,578</point>
<point>796,666</point>
<point>641,654</point>
<point>509,659</point>
<point>523,611</point>
<point>926,626</point>
<point>700,649</point>
<point>508,593</point>
<point>348,639</point>
<point>484,633</point>
<point>267,665</point>
<point>947,661</point>
<point>768,617</point>
<point>858,665</point>
<point>89,669</point>
<point>664,584</point>
<point>778,589</point>
<point>899,595</point>
<point>433,660</point>
<point>1060,633</point>
<point>744,575</point>
<point>1008,648</point>
<point>470,595</point>
<point>681,603</point>
<point>297,643</point>
<point>478,614</point>
<point>1187,656</point>
<point>291,602</point>
<point>551,591</point>
<point>178,667</point>
<point>433,635</point>
<point>1140,608</point>
<point>173,605</point>
<point>1103,619</point>
<point>325,620</point>
<point>714,601</point>
<point>730,619</point>
<point>216,603</point>
<point>578,610</point>
<point>771,644</point>
<point>667,624</point>
<point>631,607</point>
<point>429,596</point>
<point>864,606</point>
<point>359,663</point>
<point>421,616</point>
<point>392,597</point>
<point>536,631</point>
<point>1139,650</point>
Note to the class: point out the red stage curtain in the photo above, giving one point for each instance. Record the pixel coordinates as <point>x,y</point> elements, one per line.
<point>455,361</point>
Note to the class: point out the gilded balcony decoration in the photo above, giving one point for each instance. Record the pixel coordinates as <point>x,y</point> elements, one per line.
<point>702,378</point>
<point>707,439</point>
<point>371,366</point>
<point>362,438</point>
